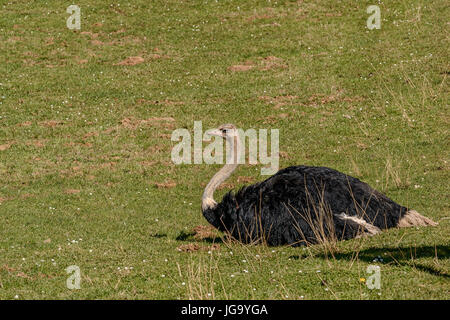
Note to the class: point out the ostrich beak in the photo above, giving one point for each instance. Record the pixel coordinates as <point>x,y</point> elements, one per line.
<point>215,132</point>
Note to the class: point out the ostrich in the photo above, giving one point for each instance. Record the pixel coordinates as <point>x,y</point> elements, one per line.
<point>300,205</point>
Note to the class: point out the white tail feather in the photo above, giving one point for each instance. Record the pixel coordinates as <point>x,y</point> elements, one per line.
<point>370,229</point>
<point>413,218</point>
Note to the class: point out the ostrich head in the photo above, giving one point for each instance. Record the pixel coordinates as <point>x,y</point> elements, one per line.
<point>230,134</point>
<point>226,131</point>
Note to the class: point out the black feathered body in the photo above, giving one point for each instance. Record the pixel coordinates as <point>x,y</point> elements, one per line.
<point>300,204</point>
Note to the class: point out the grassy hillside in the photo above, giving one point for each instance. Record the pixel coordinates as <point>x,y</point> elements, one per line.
<point>86,118</point>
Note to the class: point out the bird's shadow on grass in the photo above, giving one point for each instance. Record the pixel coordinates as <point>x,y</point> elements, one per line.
<point>402,256</point>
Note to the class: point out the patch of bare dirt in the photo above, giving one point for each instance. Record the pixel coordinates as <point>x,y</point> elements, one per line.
<point>130,61</point>
<point>49,41</point>
<point>21,274</point>
<point>204,232</point>
<point>96,42</point>
<point>240,67</point>
<point>272,62</point>
<point>90,134</point>
<point>130,123</point>
<point>36,143</point>
<point>333,14</point>
<point>262,64</point>
<point>361,145</point>
<point>165,185</point>
<point>226,185</point>
<point>191,247</point>
<point>50,123</point>
<point>275,118</point>
<point>4,147</point>
<point>25,124</point>
<point>243,179</point>
<point>156,56</point>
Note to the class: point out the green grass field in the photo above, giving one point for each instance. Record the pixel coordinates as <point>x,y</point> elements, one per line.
<point>85,143</point>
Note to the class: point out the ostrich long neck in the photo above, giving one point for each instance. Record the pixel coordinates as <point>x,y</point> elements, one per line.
<point>233,152</point>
